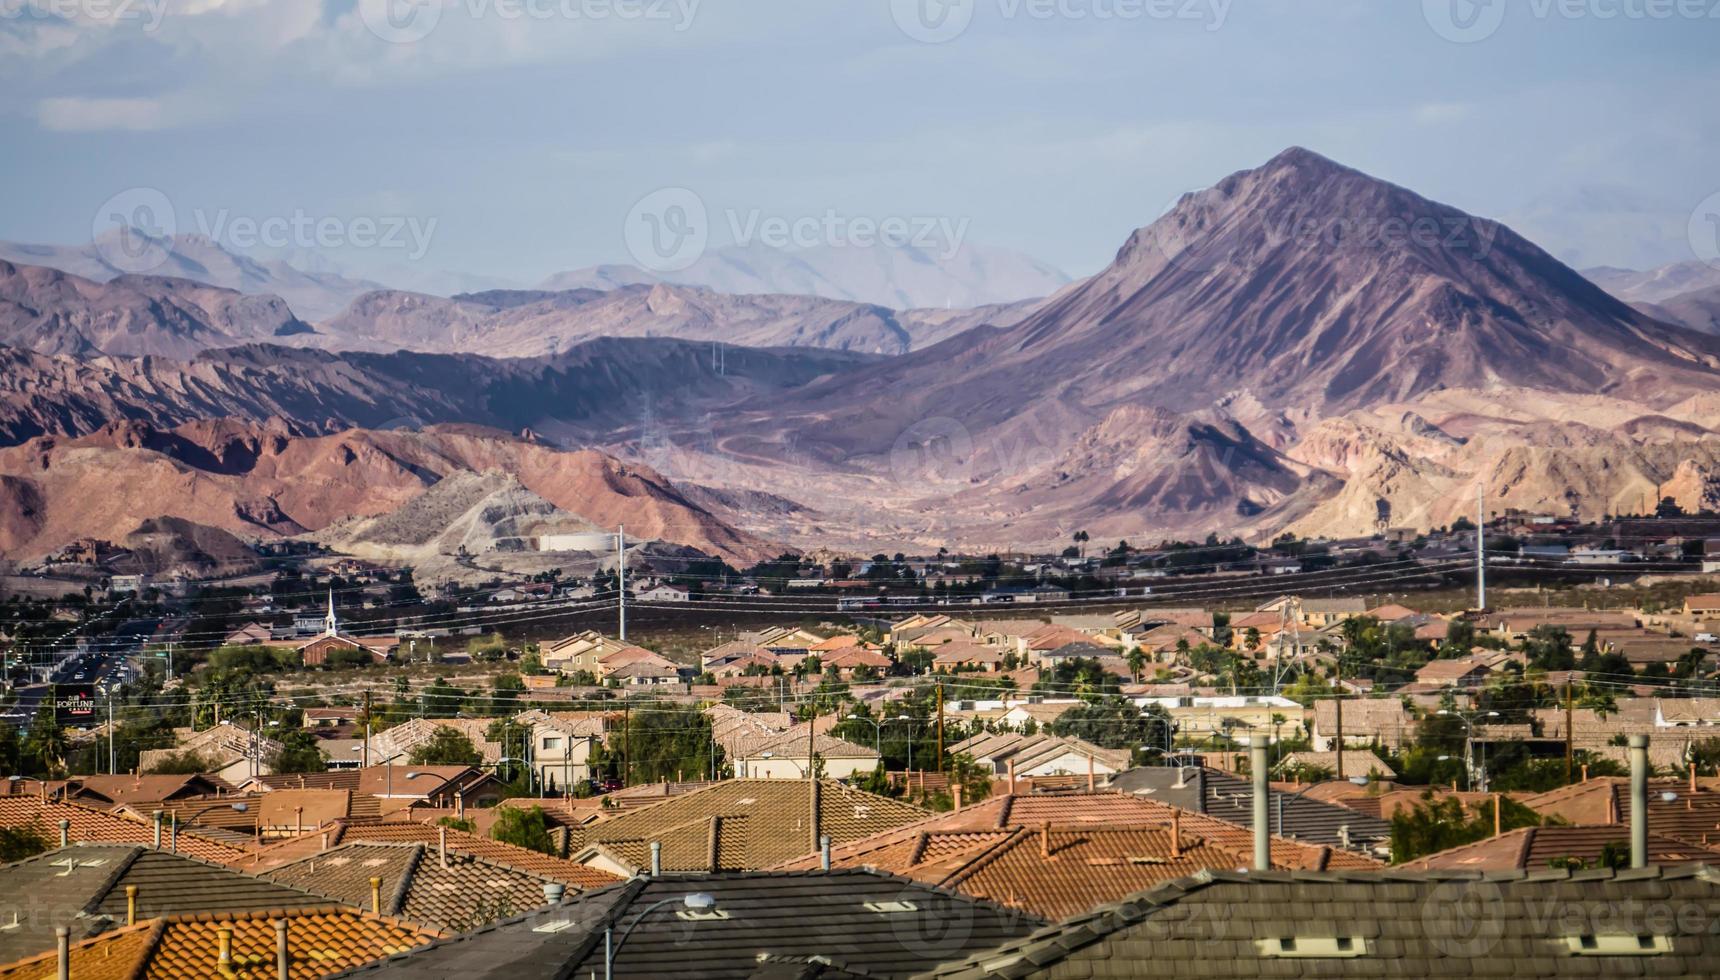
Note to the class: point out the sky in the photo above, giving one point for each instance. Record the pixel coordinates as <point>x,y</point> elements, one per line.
<point>516,138</point>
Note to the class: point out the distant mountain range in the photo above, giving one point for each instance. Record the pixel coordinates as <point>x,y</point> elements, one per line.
<point>898,278</point>
<point>1299,347</point>
<point>1685,293</point>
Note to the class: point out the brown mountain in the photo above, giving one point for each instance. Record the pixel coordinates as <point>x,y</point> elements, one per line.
<point>580,396</point>
<point>1302,287</point>
<point>266,481</point>
<point>520,323</point>
<point>1698,309</point>
<point>52,312</point>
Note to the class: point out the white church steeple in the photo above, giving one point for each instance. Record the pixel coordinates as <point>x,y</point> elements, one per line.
<point>330,625</point>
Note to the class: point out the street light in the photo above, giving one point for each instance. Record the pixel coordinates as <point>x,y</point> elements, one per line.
<point>695,902</point>
<point>1469,769</point>
<point>877,732</point>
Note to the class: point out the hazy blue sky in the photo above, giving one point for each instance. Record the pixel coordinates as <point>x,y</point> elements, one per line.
<point>526,129</point>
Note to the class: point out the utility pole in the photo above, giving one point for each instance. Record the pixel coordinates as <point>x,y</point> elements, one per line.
<point>112,758</point>
<point>626,743</point>
<point>940,691</point>
<point>364,755</point>
<point>1481,547</point>
<point>621,578</point>
<point>1338,703</point>
<point>811,727</point>
<point>1569,735</point>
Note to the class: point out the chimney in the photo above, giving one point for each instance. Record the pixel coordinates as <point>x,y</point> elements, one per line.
<point>1639,801</point>
<point>224,951</point>
<point>1498,815</point>
<point>553,891</point>
<point>1176,832</point>
<point>298,821</point>
<point>656,859</point>
<point>824,852</point>
<point>65,832</point>
<point>1257,771</point>
<point>1585,772</point>
<point>63,944</point>
<point>325,840</point>
<point>1091,786</point>
<point>281,959</point>
<point>1012,777</point>
<point>158,830</point>
<point>376,895</point>
<point>459,805</point>
<point>956,796</point>
<point>1045,838</point>
<point>131,905</point>
<point>442,846</point>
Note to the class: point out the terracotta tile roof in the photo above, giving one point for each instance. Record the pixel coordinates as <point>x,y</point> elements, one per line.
<point>97,827</point>
<point>468,892</point>
<point>1536,848</point>
<point>778,820</point>
<point>1072,812</point>
<point>320,941</point>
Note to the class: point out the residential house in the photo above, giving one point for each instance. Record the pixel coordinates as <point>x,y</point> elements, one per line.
<point>1365,721</point>
<point>1460,672</point>
<point>1042,754</point>
<point>1229,797</point>
<point>793,925</point>
<point>1394,925</point>
<point>736,825</point>
<point>967,655</point>
<point>666,592</point>
<point>231,753</point>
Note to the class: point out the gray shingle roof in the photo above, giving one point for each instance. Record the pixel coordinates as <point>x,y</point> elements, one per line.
<point>860,922</point>
<point>1515,924</point>
<point>1231,798</point>
<point>83,887</point>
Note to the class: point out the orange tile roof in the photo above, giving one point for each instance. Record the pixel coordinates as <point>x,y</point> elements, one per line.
<point>1537,848</point>
<point>99,827</point>
<point>1092,810</point>
<point>320,942</point>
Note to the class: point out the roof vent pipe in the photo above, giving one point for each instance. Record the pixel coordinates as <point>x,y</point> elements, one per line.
<point>656,859</point>
<point>824,853</point>
<point>1638,801</point>
<point>553,891</point>
<point>1257,771</point>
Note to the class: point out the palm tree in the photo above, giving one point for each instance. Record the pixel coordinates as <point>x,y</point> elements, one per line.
<point>1137,662</point>
<point>1081,540</point>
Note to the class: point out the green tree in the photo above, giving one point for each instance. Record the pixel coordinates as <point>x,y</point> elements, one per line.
<point>447,747</point>
<point>1435,825</point>
<point>1114,723</point>
<point>18,843</point>
<point>44,748</point>
<point>527,828</point>
<point>299,752</point>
